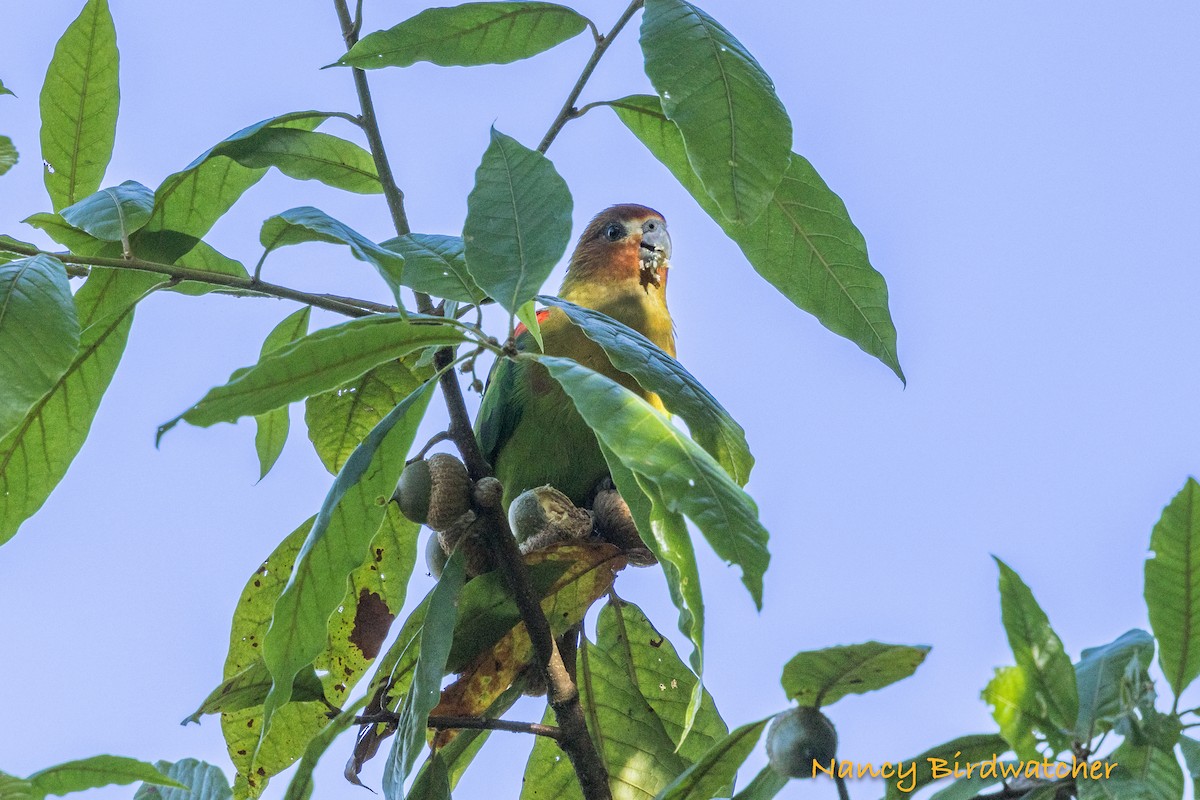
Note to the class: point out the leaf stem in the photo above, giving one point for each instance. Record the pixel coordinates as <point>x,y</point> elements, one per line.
<point>467,723</point>
<point>568,111</point>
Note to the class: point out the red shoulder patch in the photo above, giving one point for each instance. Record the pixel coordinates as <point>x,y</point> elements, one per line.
<point>522,330</point>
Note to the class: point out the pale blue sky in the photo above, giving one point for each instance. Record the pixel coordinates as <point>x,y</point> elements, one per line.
<point>1026,176</point>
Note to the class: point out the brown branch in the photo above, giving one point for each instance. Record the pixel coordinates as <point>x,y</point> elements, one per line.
<point>450,722</point>
<point>574,738</point>
<point>568,111</point>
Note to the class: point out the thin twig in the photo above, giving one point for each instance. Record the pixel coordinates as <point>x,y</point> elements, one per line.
<point>568,110</point>
<point>464,723</point>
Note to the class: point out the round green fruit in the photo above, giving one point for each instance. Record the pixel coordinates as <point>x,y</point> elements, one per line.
<point>797,738</point>
<point>435,556</point>
<point>412,492</point>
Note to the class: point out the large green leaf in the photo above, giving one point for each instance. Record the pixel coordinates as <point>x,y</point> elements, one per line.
<point>436,265</point>
<point>1137,772</point>
<point>1173,587</point>
<point>318,362</point>
<point>203,781</point>
<point>94,772</point>
<point>656,371</point>
<point>248,689</point>
<point>307,224</point>
<point>305,155</point>
<point>340,535</point>
<point>39,333</point>
<point>804,244</point>
<point>8,154</point>
<point>437,636</point>
<point>1038,650</point>
<point>35,454</point>
<point>1100,676</point>
<point>272,426</point>
<point>737,132</point>
<point>1018,709</point>
<point>718,767</point>
<point>468,35</point>
<point>965,750</point>
<point>374,592</point>
<point>764,786</point>
<point>112,214</point>
<point>300,787</point>
<point>518,222</point>
<point>822,677</point>
<point>192,200</point>
<point>1191,757</point>
<point>691,482</point>
<point>79,106</point>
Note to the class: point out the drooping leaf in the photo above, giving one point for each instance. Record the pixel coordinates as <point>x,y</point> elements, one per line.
<point>965,749</point>
<point>436,265</point>
<point>79,106</point>
<point>822,677</point>
<point>305,155</point>
<point>205,258</point>
<point>518,222</point>
<point>1173,587</point>
<point>300,787</point>
<point>718,767</point>
<point>1017,709</point>
<point>39,333</point>
<point>94,772</point>
<point>35,454</point>
<point>765,785</point>
<point>307,224</point>
<point>690,481</point>
<point>112,214</point>
<point>437,635</point>
<point>656,371</point>
<point>8,154</point>
<point>248,689</point>
<point>1100,675</point>
<point>468,35</point>
<point>192,200</point>
<point>316,363</point>
<point>351,513</point>
<point>804,244</point>
<point>374,592</point>
<point>737,132</point>
<point>272,427</point>
<point>548,773</point>
<point>1038,650</point>
<point>75,240</point>
<point>203,781</point>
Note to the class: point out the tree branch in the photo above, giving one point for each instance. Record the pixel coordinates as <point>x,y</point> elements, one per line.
<point>568,111</point>
<point>447,722</point>
<point>574,738</point>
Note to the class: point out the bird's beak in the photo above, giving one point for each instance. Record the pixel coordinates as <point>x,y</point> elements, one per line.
<point>656,247</point>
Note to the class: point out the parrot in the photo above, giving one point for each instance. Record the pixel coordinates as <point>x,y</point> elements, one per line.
<point>527,426</point>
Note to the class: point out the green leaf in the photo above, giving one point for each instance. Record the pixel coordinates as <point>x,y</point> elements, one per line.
<point>656,371</point>
<point>301,785</point>
<point>248,689</point>
<point>468,35</point>
<point>437,635</point>
<point>192,200</point>
<point>518,222</point>
<point>766,784</point>
<point>79,106</point>
<point>75,240</point>
<point>348,519</point>
<point>35,454</point>
<point>1191,757</point>
<point>341,418</point>
<point>356,631</point>
<point>737,132</point>
<point>822,677</point>
<point>1100,676</point>
<point>1173,587</point>
<point>14,788</point>
<point>1138,772</point>
<point>1017,709</point>
<point>1038,650</point>
<point>690,481</point>
<point>5,90</point>
<point>203,781</point>
<point>272,426</point>
<point>666,533</point>
<point>527,315</point>
<point>436,265</point>
<point>204,257</point>
<point>94,772</point>
<point>965,750</point>
<point>112,214</point>
<point>305,155</point>
<point>718,767</point>
<point>316,363</point>
<point>804,244</point>
<point>8,154</point>
<point>307,224</point>
<point>39,333</point>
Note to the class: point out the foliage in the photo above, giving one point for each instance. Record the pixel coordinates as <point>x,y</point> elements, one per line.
<point>317,613</point>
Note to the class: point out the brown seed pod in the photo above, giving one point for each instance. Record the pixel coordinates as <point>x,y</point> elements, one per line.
<point>449,491</point>
<point>412,492</point>
<point>466,535</point>
<point>615,524</point>
<point>549,515</point>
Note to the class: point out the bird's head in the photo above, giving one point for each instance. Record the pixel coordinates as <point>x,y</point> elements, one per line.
<point>625,244</point>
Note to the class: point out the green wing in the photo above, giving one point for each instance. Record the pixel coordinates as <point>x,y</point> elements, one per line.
<point>503,404</point>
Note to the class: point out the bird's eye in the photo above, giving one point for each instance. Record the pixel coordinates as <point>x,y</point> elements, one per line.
<point>651,225</point>
<point>614,232</point>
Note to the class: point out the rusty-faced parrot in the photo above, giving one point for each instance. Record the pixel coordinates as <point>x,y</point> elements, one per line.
<point>528,427</point>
